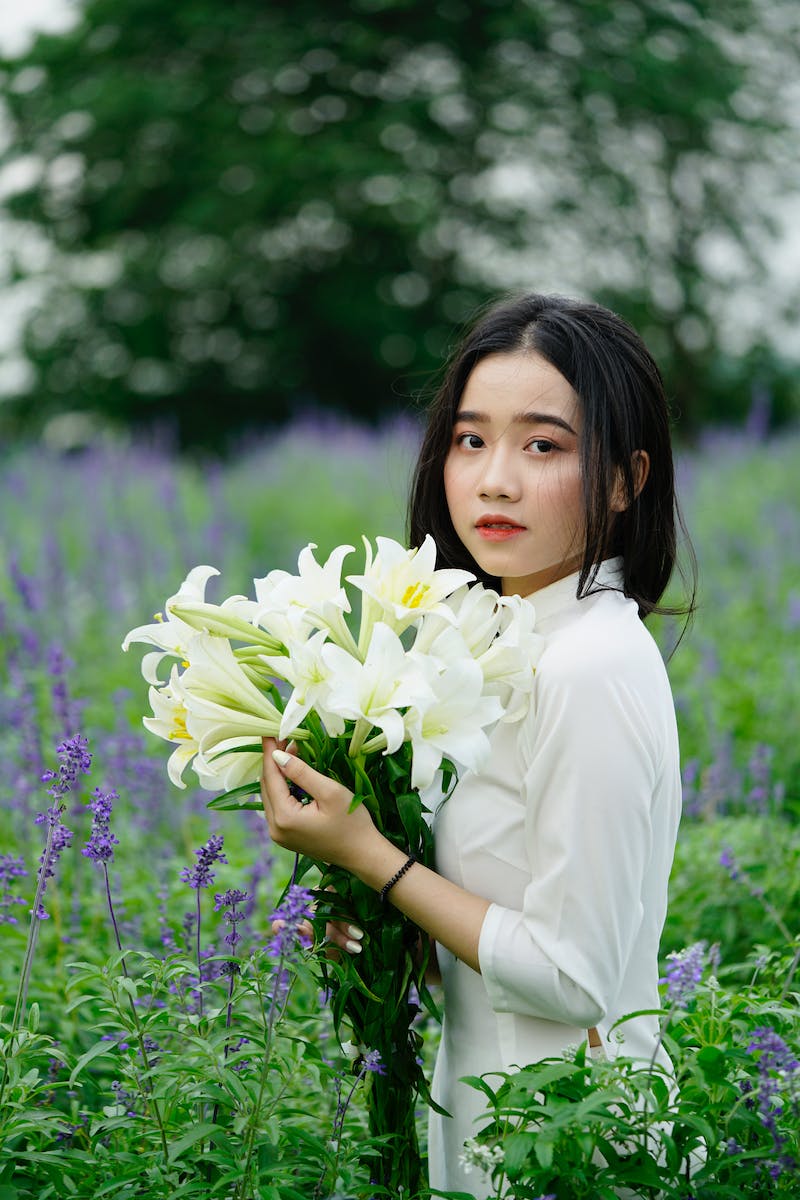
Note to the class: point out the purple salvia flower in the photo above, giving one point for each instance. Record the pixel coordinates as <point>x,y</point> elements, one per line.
<point>777,1068</point>
<point>58,841</point>
<point>11,868</point>
<point>123,1098</point>
<point>296,908</point>
<point>201,875</point>
<point>24,585</point>
<point>372,1063</point>
<point>727,860</point>
<point>683,973</point>
<point>197,877</point>
<point>101,843</point>
<point>227,903</point>
<point>75,759</point>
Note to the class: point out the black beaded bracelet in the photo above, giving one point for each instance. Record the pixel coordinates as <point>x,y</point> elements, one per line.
<point>387,887</point>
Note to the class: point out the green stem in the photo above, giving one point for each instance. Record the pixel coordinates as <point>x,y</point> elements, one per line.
<point>265,1066</point>
<point>360,731</point>
<point>30,947</point>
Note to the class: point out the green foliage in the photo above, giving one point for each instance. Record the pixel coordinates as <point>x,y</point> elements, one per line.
<point>727,1124</point>
<point>254,207</point>
<point>90,543</point>
<point>165,1099</point>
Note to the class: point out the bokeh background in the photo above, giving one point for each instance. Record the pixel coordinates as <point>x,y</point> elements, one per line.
<point>216,216</point>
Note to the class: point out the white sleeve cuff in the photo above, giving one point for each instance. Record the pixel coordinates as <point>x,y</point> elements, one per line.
<point>520,978</point>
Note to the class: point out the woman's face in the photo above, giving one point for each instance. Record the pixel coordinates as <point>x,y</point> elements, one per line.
<point>512,475</point>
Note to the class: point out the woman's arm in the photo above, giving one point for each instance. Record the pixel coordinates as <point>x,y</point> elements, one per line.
<point>324,829</point>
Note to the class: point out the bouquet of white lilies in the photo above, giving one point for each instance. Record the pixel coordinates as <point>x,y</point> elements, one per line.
<point>379,700</point>
<point>435,662</point>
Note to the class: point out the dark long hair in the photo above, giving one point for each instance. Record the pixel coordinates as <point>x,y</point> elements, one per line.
<point>624,409</point>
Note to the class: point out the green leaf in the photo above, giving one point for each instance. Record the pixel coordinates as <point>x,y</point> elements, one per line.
<point>517,1148</point>
<point>254,748</point>
<point>232,801</point>
<point>543,1149</point>
<point>712,1060</point>
<point>195,1134</point>
<point>97,1051</point>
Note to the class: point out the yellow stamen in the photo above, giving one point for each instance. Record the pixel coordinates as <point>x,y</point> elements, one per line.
<point>179,733</point>
<point>159,617</point>
<point>414,595</point>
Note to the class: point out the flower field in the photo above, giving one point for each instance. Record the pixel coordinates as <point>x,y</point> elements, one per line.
<point>158,1039</point>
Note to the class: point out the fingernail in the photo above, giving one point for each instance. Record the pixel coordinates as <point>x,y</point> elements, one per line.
<point>281,757</point>
<point>355,932</point>
<point>353,947</point>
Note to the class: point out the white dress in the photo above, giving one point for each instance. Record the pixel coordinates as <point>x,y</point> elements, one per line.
<point>570,832</point>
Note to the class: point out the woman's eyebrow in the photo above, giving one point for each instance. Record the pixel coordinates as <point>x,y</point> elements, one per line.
<point>520,418</point>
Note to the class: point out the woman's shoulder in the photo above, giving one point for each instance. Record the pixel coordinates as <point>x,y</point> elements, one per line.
<point>603,642</point>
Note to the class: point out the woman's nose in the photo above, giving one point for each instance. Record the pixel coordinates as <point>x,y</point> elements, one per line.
<point>498,479</point>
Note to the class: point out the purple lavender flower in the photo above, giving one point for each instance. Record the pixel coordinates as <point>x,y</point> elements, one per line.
<point>123,1098</point>
<point>227,903</point>
<point>727,860</point>
<point>372,1063</point>
<point>101,843</point>
<point>24,585</point>
<point>759,769</point>
<point>289,916</point>
<point>75,759</point>
<point>296,908</point>
<point>58,840</point>
<point>11,868</point>
<point>684,971</point>
<point>777,1069</point>
<point>201,875</point>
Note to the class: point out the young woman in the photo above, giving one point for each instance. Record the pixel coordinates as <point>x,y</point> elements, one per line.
<point>547,471</point>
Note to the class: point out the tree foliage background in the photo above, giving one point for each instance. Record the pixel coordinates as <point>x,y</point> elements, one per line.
<point>251,208</point>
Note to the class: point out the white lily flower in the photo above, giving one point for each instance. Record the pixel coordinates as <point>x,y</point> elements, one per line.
<point>403,584</point>
<point>291,606</point>
<point>311,677</point>
<point>169,722</point>
<point>453,725</point>
<point>509,663</point>
<point>234,618</point>
<point>220,700</point>
<point>223,772</point>
<point>373,691</point>
<point>170,634</point>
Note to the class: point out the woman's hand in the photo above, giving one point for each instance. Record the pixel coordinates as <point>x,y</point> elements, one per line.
<point>339,935</point>
<point>320,826</point>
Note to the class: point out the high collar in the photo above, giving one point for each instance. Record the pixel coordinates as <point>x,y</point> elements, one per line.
<point>561,597</point>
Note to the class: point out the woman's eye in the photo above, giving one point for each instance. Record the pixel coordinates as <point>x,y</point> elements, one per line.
<point>541,445</point>
<point>471,441</point>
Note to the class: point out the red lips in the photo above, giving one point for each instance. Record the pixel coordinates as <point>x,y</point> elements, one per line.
<point>497,519</point>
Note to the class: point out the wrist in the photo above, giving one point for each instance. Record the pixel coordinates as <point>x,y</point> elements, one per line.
<point>380,862</point>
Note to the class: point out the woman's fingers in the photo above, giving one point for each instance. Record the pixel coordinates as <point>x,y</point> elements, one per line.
<point>344,936</point>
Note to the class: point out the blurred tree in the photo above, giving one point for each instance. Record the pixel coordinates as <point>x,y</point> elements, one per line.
<point>256,206</point>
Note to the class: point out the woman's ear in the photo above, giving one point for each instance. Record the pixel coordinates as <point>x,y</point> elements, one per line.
<point>640,465</point>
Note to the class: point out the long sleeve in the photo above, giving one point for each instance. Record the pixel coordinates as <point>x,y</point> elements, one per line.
<point>591,757</point>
